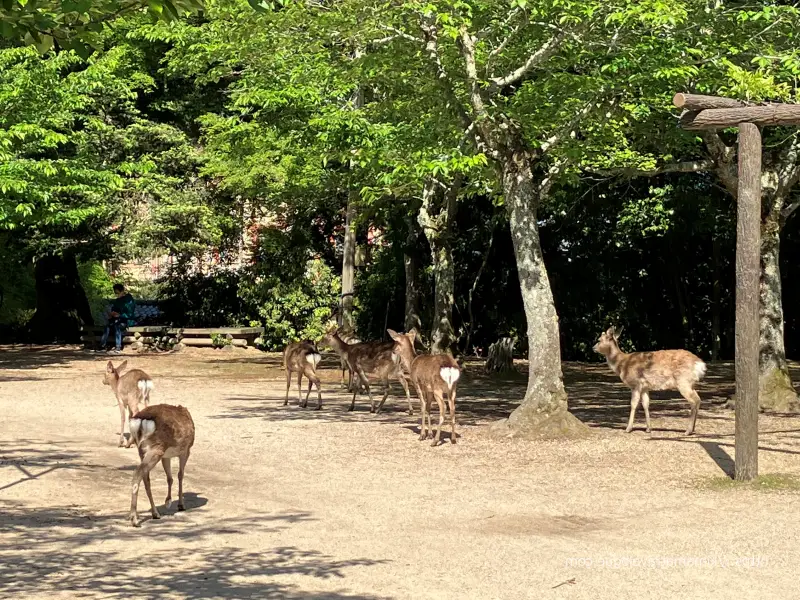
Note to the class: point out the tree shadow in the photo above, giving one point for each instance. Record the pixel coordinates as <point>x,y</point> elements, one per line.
<point>56,549</point>
<point>32,462</point>
<point>720,456</point>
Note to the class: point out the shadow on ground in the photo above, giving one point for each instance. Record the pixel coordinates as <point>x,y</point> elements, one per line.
<point>58,549</point>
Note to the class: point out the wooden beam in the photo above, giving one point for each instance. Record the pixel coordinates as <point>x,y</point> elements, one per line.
<point>748,269</point>
<point>696,103</point>
<point>762,116</point>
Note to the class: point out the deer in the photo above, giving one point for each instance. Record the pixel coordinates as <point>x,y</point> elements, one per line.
<point>339,345</point>
<point>659,370</point>
<point>302,358</point>
<point>161,432</point>
<point>130,388</point>
<point>434,376</point>
<point>370,358</point>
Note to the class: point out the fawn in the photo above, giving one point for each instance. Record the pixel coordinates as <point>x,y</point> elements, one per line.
<point>303,358</point>
<point>375,358</point>
<point>644,372</point>
<point>130,388</point>
<point>434,376</point>
<point>161,433</point>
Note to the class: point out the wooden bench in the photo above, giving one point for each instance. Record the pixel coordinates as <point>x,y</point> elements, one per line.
<point>151,334</point>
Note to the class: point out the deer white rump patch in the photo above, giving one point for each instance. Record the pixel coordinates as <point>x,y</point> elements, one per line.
<point>141,429</point>
<point>699,369</point>
<point>313,359</point>
<point>146,385</point>
<point>450,375</point>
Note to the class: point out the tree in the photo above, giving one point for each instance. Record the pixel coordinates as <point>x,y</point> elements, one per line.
<point>77,24</point>
<point>759,63</point>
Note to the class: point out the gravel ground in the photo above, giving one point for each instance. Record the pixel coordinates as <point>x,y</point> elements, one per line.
<point>291,503</point>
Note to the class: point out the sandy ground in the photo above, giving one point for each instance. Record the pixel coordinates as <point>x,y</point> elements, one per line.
<point>291,503</point>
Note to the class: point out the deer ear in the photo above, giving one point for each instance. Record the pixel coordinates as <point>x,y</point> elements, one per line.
<point>109,367</point>
<point>123,365</point>
<point>618,333</point>
<point>412,335</point>
<point>610,332</point>
<point>393,334</point>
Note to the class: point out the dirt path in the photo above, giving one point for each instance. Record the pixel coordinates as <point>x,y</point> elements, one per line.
<point>287,503</point>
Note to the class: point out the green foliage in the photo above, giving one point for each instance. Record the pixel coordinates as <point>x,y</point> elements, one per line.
<point>77,24</point>
<point>292,309</point>
<point>220,340</point>
<point>99,287</point>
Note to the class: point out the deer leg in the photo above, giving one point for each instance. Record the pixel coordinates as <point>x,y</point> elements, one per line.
<point>635,397</point>
<point>437,394</point>
<point>122,411</point>
<point>364,380</point>
<point>694,400</point>
<point>300,390</point>
<point>646,405</point>
<point>288,385</point>
<point>167,464</point>
<point>386,386</point>
<point>149,460</point>
<point>452,401</point>
<point>181,469</point>
<point>423,434</point>
<point>404,383</point>
<point>132,410</point>
<point>313,380</point>
<point>153,509</point>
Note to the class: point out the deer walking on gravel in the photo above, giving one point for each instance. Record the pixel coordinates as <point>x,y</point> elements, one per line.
<point>370,358</point>
<point>645,372</point>
<point>302,358</point>
<point>434,376</point>
<point>130,389</point>
<point>161,433</point>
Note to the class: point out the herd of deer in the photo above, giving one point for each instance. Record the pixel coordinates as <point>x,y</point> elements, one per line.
<point>162,432</point>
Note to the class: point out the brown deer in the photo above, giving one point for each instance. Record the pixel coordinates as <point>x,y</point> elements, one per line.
<point>339,345</point>
<point>371,358</point>
<point>645,372</point>
<point>434,376</point>
<point>161,433</point>
<point>302,358</point>
<point>130,388</point>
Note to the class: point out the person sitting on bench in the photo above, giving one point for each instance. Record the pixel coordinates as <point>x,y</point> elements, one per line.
<point>122,313</point>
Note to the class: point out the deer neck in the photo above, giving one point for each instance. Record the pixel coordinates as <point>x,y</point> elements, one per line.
<point>614,357</point>
<point>115,384</point>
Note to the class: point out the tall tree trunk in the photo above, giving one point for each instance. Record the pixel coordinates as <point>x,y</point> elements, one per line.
<point>349,265</point>
<point>776,391</point>
<point>715,299</point>
<point>412,319</point>
<point>436,216</point>
<point>61,303</point>
<point>543,412</point>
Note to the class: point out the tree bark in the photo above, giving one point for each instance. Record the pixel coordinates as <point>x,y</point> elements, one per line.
<point>776,392</point>
<point>412,319</point>
<point>436,216</point>
<point>715,300</point>
<point>543,412</point>
<point>349,265</point>
<point>61,303</point>
<point>748,225</point>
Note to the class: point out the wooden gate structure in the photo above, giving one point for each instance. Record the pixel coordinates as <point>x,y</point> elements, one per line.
<point>712,112</point>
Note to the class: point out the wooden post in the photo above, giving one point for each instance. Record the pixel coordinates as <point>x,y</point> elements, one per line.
<point>748,267</point>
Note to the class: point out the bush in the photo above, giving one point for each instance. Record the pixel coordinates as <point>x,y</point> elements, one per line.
<point>99,287</point>
<point>291,310</point>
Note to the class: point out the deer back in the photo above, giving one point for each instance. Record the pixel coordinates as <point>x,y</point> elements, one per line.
<point>660,370</point>
<point>374,357</point>
<point>431,371</point>
<point>299,354</point>
<point>168,428</point>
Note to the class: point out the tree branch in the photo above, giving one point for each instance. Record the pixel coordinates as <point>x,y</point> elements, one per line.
<point>552,174</point>
<point>689,166</point>
<point>723,156</point>
<point>468,52</point>
<point>544,52</point>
